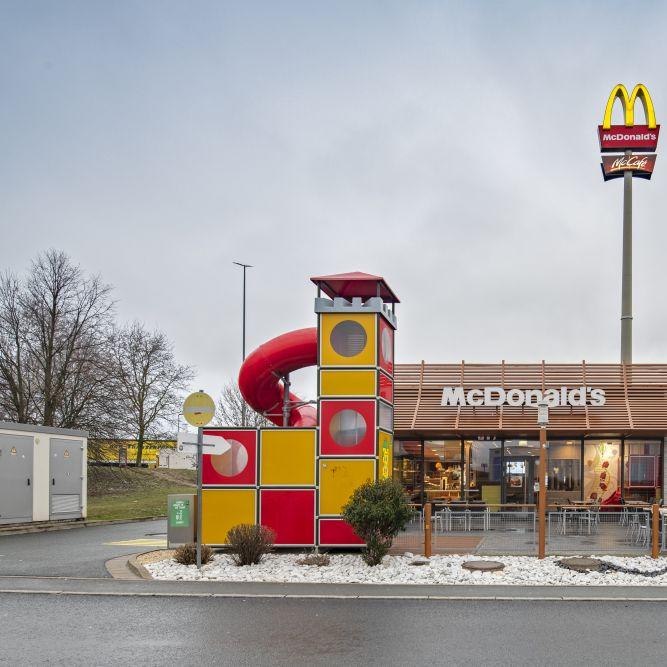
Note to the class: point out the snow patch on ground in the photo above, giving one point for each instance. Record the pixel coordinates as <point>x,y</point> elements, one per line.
<point>350,569</point>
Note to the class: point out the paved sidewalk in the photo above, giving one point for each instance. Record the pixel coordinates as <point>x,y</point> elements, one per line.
<point>116,587</point>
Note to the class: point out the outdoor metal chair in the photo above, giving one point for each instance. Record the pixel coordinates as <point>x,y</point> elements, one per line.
<point>643,536</point>
<point>479,516</point>
<point>584,517</point>
<point>437,519</point>
<point>455,518</point>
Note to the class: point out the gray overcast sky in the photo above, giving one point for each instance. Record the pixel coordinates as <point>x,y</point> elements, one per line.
<point>448,146</point>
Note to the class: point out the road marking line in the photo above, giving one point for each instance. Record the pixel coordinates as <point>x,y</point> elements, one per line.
<point>139,542</point>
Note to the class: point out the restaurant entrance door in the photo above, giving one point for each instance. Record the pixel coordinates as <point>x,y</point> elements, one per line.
<point>519,479</point>
<point>520,464</point>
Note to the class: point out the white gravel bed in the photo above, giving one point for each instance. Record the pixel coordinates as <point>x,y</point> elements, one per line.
<point>350,569</point>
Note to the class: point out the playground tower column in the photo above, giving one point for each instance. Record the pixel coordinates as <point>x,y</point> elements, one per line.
<point>356,328</point>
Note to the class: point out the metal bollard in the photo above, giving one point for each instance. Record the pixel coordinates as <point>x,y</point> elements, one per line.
<point>427,530</point>
<point>655,537</point>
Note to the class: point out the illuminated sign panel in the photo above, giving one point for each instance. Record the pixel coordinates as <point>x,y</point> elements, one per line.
<point>618,138</point>
<point>641,166</point>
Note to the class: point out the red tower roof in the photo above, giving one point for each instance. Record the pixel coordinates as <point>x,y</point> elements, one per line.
<point>356,283</point>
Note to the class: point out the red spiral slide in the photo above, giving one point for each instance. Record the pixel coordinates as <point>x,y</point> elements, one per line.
<point>259,377</point>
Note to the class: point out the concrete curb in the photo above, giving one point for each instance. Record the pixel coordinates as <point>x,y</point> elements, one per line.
<point>21,529</point>
<point>134,586</point>
<point>137,568</point>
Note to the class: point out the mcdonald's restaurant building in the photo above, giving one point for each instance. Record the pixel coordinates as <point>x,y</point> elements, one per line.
<point>469,431</point>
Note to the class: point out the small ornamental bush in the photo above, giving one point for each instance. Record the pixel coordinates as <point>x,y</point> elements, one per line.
<point>377,511</point>
<point>247,544</point>
<point>320,560</point>
<point>186,554</point>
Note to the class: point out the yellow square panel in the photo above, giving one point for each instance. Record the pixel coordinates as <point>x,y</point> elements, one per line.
<point>287,457</point>
<point>338,480</point>
<point>347,383</point>
<point>224,508</point>
<point>347,339</point>
<point>385,455</point>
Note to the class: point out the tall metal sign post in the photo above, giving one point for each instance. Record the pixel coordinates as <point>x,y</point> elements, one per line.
<point>198,410</point>
<point>625,139</point>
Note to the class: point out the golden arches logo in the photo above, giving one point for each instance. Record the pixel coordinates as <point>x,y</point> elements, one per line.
<point>620,92</point>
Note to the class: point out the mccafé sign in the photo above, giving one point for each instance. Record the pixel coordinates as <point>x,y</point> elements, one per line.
<point>497,396</point>
<point>619,138</point>
<point>641,166</point>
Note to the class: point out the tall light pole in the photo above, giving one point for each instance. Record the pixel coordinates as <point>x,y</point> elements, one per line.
<point>543,422</point>
<point>244,266</point>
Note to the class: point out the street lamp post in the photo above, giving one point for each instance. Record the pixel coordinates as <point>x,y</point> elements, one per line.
<point>244,266</point>
<point>542,421</point>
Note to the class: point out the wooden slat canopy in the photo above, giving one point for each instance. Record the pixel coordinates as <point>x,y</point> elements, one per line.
<point>636,399</point>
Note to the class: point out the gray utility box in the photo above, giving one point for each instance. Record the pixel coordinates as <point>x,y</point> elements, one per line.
<point>42,473</point>
<point>16,478</point>
<point>65,482</point>
<point>181,518</point>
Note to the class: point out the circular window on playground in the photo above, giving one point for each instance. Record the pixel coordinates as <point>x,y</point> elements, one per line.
<point>386,347</point>
<point>347,428</point>
<point>348,338</point>
<point>231,462</point>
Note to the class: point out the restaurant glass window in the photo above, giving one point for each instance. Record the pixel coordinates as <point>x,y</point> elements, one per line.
<point>602,471</point>
<point>442,469</point>
<point>407,467</point>
<point>642,466</point>
<point>520,461</point>
<point>563,471</point>
<point>482,471</point>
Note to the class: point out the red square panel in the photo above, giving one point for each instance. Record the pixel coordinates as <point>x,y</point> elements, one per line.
<point>336,532</point>
<point>290,513</point>
<point>237,466</point>
<point>386,387</point>
<point>347,428</point>
<point>386,346</point>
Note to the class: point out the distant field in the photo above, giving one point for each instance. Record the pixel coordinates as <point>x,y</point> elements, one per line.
<point>133,493</point>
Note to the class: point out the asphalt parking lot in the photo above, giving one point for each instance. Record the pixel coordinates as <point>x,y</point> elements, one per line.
<point>77,552</point>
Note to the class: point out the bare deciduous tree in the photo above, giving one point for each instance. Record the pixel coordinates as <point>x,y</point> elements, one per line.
<point>54,332</point>
<point>150,382</point>
<point>15,377</point>
<point>229,411</point>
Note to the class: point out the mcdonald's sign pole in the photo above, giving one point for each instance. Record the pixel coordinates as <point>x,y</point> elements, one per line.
<point>626,280</point>
<point>625,139</point>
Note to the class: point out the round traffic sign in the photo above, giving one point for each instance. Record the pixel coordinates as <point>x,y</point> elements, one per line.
<point>198,409</point>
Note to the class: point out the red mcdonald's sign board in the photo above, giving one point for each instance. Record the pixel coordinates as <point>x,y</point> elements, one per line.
<point>641,166</point>
<point>619,138</point>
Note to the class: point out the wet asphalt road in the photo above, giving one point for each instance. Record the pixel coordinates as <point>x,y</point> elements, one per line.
<point>75,630</point>
<point>77,552</point>
<point>121,629</point>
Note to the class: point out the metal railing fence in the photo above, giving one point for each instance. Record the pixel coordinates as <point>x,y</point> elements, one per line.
<point>485,529</point>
